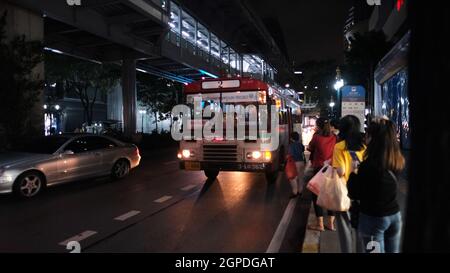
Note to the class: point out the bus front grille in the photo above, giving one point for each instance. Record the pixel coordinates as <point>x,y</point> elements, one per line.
<point>227,153</point>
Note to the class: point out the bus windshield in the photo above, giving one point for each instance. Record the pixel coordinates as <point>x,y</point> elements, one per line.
<point>228,98</point>
<point>224,100</point>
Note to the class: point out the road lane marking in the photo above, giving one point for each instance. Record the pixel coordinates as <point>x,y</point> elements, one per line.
<point>280,233</point>
<point>79,237</point>
<point>163,199</point>
<point>170,162</point>
<point>188,188</point>
<point>127,215</point>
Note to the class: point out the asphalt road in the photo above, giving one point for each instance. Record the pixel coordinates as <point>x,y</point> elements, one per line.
<point>158,208</point>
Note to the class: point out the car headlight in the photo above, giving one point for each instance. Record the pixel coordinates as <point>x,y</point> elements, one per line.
<point>4,177</point>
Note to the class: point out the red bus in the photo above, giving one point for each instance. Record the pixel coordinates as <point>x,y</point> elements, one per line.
<point>221,154</point>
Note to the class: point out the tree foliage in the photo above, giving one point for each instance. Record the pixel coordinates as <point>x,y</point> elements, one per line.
<point>157,95</point>
<point>320,74</point>
<point>21,86</point>
<point>86,79</point>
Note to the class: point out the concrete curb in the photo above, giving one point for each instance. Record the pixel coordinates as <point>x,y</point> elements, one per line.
<point>311,243</point>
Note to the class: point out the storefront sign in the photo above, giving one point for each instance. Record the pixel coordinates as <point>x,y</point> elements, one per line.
<point>354,102</point>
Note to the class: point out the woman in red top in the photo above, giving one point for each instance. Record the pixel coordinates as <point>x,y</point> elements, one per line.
<point>321,148</point>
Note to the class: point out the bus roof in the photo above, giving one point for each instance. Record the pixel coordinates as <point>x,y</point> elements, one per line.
<point>225,84</point>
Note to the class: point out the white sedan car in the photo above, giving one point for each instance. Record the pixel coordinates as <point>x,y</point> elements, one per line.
<point>48,161</point>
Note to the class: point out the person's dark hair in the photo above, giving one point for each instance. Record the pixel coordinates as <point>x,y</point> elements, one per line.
<point>335,123</point>
<point>384,148</point>
<point>295,136</point>
<point>349,130</point>
<point>324,125</point>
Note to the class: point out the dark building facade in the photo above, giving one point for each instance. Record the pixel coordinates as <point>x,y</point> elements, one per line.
<point>357,21</point>
<point>391,74</point>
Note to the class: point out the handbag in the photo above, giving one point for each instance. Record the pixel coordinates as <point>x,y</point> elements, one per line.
<point>290,169</point>
<point>333,193</point>
<point>318,179</point>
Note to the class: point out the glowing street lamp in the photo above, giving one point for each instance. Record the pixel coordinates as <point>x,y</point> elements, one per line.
<point>339,84</point>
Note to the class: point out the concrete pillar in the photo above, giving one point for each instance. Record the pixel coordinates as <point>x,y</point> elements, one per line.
<point>20,21</point>
<point>129,96</point>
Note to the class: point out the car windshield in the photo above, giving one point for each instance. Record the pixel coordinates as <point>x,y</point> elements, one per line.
<point>42,145</point>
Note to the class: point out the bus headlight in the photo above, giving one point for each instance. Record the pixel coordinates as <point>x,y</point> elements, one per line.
<point>186,154</point>
<point>255,155</point>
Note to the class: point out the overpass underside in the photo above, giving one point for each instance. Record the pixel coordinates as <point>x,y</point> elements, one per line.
<point>154,36</point>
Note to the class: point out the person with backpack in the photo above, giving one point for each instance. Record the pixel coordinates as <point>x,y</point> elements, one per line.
<point>321,148</point>
<point>297,152</point>
<point>346,155</point>
<point>375,186</point>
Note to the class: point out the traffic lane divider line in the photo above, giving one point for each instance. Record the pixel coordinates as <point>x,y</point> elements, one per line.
<point>189,187</point>
<point>144,216</point>
<point>79,237</point>
<point>127,215</point>
<point>89,233</point>
<point>163,199</point>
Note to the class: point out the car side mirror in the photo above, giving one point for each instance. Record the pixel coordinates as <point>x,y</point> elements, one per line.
<point>68,152</point>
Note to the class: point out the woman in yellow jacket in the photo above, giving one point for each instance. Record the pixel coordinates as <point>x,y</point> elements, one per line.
<point>347,154</point>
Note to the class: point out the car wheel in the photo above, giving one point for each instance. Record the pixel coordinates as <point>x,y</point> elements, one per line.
<point>28,184</point>
<point>211,174</point>
<point>120,169</point>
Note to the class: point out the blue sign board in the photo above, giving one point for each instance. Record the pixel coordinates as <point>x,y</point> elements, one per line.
<point>353,93</point>
<point>354,102</point>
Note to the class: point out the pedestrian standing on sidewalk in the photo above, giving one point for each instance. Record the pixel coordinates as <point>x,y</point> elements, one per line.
<point>375,186</point>
<point>297,151</point>
<point>334,127</point>
<point>321,146</point>
<point>351,141</point>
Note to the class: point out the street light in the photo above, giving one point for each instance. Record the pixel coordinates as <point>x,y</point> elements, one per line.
<point>287,85</point>
<point>332,104</point>
<point>142,112</point>
<point>337,86</point>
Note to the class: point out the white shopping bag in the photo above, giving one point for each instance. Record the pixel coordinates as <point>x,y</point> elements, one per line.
<point>316,182</point>
<point>333,193</point>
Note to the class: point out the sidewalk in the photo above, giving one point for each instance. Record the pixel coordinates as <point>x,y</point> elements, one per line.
<point>328,241</point>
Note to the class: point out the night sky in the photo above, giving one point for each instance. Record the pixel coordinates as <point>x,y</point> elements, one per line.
<point>313,29</point>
